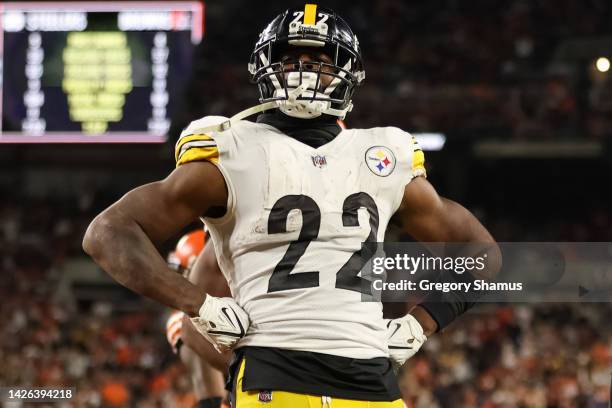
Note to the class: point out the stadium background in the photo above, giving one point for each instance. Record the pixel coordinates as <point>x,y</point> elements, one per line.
<point>514,87</point>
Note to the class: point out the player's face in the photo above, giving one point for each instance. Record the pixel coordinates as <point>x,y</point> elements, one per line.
<point>310,58</point>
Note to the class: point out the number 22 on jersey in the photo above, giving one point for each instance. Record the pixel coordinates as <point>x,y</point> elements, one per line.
<point>348,275</point>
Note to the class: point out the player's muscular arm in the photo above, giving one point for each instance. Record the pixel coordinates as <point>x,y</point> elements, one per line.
<point>206,365</point>
<point>427,217</point>
<point>194,341</point>
<point>206,274</point>
<point>122,238</point>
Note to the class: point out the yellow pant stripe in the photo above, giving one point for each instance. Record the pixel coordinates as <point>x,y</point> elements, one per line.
<point>284,399</point>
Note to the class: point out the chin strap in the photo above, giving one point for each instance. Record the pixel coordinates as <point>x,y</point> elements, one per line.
<point>293,95</point>
<point>340,113</point>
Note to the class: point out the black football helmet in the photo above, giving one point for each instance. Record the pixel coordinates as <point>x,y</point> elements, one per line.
<point>296,86</point>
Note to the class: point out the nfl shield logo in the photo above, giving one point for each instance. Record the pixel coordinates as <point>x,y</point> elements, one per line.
<point>265,396</point>
<point>319,161</point>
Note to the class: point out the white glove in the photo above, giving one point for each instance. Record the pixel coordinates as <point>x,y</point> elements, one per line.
<point>404,338</point>
<point>222,322</point>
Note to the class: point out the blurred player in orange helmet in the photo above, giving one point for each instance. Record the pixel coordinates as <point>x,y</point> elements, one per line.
<point>186,252</point>
<point>205,365</point>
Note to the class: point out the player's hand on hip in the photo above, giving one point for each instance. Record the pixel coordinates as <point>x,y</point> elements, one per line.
<point>404,338</point>
<point>222,322</point>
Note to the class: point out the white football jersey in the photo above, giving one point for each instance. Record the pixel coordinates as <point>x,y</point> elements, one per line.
<point>296,218</point>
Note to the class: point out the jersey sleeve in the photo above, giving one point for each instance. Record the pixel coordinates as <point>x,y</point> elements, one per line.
<point>195,145</point>
<point>410,157</point>
<point>410,160</point>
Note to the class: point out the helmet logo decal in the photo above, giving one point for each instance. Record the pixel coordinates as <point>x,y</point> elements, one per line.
<point>380,160</point>
<point>309,24</point>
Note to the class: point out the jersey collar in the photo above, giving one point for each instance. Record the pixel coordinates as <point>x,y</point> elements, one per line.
<point>314,132</point>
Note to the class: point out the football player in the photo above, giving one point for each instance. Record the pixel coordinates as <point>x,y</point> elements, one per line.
<point>204,364</point>
<point>288,201</point>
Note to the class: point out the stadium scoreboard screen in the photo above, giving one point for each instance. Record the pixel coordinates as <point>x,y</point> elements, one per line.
<point>94,71</point>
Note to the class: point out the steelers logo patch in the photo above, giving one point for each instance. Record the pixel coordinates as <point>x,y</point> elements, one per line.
<point>380,160</point>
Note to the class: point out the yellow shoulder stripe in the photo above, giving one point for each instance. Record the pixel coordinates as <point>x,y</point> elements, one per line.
<point>186,139</point>
<point>418,159</point>
<point>210,154</point>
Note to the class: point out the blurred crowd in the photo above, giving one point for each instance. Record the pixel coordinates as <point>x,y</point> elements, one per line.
<point>113,354</point>
<point>499,356</point>
<point>498,69</point>
<point>516,356</point>
<point>111,359</point>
